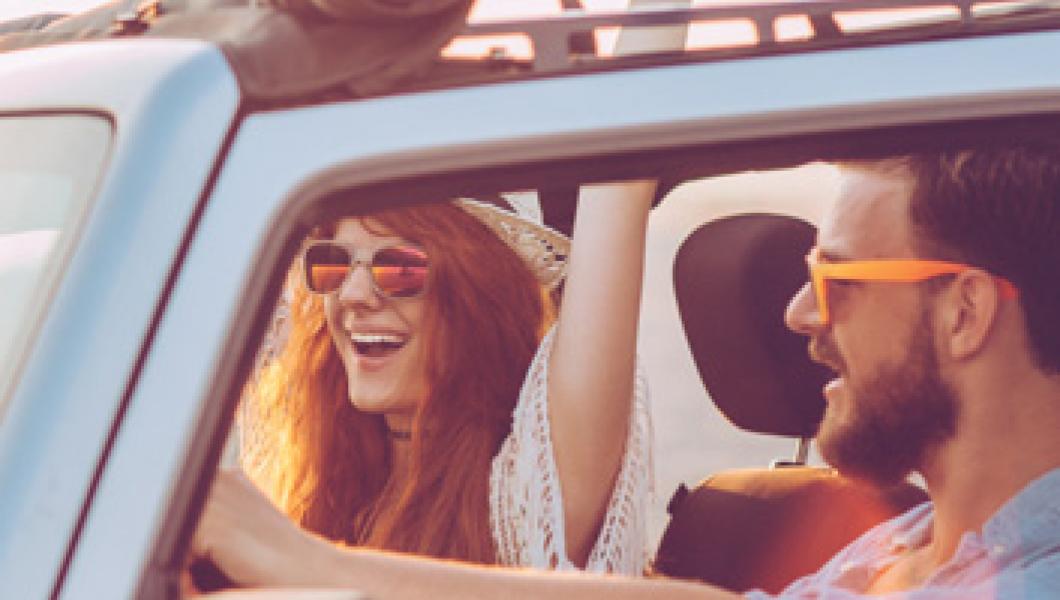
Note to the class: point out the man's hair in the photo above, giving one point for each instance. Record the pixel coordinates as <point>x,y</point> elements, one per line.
<point>997,208</point>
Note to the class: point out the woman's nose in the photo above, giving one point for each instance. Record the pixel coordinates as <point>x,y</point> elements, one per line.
<point>357,289</point>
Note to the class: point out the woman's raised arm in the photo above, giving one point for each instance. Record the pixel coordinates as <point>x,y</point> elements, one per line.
<point>592,369</point>
<point>592,365</point>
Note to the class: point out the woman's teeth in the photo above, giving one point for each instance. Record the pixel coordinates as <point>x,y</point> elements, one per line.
<point>376,344</point>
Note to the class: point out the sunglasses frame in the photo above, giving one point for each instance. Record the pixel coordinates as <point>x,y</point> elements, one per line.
<point>883,270</point>
<point>360,257</point>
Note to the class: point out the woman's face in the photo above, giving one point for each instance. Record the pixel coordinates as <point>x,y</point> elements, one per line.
<point>380,340</point>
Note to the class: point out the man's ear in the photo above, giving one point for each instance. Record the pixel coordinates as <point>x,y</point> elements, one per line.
<point>970,312</point>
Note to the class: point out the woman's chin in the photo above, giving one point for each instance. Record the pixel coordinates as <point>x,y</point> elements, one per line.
<point>382,402</point>
<point>368,404</point>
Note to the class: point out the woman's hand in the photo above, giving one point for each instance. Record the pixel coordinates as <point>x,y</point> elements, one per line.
<point>248,539</point>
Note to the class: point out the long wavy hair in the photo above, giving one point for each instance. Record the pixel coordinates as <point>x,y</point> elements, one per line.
<point>328,465</point>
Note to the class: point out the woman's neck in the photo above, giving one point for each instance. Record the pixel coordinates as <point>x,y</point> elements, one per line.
<point>399,424</point>
<point>399,436</point>
<point>401,457</point>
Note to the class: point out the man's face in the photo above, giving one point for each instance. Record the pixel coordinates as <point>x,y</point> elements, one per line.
<point>888,406</point>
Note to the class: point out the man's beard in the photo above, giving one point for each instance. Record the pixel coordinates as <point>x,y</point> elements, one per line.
<point>897,417</point>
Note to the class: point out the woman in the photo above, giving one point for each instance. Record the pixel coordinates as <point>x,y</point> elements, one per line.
<point>387,418</point>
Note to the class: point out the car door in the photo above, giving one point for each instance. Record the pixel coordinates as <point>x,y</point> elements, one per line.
<point>102,172</point>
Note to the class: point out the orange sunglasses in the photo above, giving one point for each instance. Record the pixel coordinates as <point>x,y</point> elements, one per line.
<point>888,270</point>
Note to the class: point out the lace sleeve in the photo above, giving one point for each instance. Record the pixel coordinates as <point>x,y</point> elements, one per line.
<point>526,503</point>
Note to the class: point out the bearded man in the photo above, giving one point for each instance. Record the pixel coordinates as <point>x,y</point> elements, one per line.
<point>935,296</point>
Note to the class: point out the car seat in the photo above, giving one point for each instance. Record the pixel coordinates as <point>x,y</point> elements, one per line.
<point>760,528</point>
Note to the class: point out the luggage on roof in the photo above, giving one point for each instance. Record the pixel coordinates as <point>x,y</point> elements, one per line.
<point>294,51</point>
<point>279,49</point>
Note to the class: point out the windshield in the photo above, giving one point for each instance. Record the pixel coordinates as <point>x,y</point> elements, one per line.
<point>49,165</point>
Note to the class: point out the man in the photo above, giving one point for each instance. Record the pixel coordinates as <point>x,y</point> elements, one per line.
<point>935,296</point>
<point>955,376</point>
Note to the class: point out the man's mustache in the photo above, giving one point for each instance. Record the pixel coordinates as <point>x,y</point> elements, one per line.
<point>824,352</point>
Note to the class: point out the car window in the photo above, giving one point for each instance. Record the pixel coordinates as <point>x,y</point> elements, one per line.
<point>48,167</point>
<point>693,440</point>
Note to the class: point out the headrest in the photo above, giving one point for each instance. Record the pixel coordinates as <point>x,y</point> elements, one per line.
<point>733,278</point>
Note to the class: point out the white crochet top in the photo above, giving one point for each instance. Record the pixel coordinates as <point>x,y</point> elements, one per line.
<point>526,502</point>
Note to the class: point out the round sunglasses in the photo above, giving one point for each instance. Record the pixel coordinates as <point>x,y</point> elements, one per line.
<point>398,271</point>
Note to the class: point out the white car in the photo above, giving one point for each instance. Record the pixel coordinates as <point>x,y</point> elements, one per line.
<point>154,193</point>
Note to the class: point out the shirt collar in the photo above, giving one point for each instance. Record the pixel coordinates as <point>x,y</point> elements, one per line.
<point>912,530</point>
<point>1029,521</point>
<point>1025,524</point>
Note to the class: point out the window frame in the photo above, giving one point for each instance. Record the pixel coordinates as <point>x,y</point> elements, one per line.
<point>171,105</point>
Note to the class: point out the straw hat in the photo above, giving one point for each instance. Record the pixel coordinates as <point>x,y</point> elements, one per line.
<point>516,218</point>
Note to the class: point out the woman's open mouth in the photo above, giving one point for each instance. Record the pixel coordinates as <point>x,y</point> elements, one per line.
<point>377,345</point>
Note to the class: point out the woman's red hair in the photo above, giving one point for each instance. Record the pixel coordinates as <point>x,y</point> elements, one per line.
<point>327,464</point>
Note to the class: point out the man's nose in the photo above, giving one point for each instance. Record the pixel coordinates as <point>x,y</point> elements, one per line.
<point>358,290</point>
<point>802,314</point>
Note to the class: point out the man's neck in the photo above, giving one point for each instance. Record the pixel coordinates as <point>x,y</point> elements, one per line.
<point>996,453</point>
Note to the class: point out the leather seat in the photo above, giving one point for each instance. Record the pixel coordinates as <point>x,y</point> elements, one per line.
<point>760,528</point>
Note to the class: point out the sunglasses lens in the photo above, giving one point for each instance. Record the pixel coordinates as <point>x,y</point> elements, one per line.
<point>401,271</point>
<point>326,267</point>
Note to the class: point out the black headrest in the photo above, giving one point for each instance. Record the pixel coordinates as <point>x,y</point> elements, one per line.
<point>733,278</point>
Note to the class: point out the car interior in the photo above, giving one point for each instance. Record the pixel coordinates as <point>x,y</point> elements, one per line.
<point>726,251</point>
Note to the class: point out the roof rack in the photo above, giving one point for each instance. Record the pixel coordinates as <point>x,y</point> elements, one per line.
<point>558,41</point>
